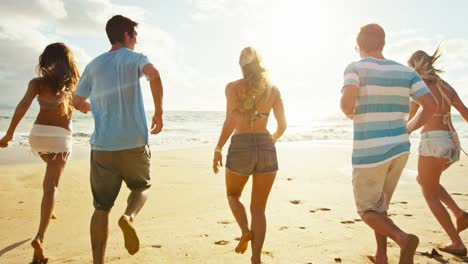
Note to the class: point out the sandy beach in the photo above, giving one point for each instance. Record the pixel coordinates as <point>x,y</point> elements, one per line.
<point>311,212</point>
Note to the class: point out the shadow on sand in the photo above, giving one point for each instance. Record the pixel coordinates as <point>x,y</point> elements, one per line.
<point>13,246</point>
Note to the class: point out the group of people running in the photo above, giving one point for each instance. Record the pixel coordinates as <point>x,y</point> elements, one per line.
<point>378,94</point>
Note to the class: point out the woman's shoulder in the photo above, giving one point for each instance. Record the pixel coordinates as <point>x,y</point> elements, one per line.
<point>37,83</point>
<point>235,85</point>
<point>275,91</point>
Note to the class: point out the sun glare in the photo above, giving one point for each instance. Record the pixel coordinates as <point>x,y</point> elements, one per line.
<point>297,54</point>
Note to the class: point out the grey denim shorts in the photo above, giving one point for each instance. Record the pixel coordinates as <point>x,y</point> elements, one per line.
<point>251,154</point>
<point>439,144</point>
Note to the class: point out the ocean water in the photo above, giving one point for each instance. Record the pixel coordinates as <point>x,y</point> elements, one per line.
<point>192,128</point>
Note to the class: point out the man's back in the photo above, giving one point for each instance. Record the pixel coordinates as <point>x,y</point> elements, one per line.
<point>112,83</point>
<point>382,106</point>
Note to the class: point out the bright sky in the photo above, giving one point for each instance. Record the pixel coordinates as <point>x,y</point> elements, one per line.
<point>195,44</point>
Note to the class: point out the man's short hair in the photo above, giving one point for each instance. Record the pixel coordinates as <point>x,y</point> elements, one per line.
<point>371,37</point>
<point>117,26</point>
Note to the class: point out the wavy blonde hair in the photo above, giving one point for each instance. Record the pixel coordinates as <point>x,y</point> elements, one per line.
<point>254,73</point>
<point>423,63</point>
<point>57,69</point>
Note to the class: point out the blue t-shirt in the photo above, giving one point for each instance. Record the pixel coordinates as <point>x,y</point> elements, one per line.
<point>111,81</point>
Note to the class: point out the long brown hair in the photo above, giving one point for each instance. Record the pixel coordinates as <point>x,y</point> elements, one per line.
<point>254,73</point>
<point>57,69</point>
<point>423,63</point>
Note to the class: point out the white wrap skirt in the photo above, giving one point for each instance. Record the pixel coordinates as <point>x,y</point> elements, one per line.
<point>50,140</point>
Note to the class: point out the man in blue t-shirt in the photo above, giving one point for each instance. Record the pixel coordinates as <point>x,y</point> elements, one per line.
<point>119,144</point>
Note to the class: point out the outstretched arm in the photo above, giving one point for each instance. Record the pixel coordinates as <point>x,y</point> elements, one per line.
<point>81,104</point>
<point>157,91</point>
<point>459,105</point>
<point>20,111</point>
<point>278,110</point>
<point>228,128</point>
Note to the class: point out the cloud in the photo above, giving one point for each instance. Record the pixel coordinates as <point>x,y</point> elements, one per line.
<point>454,57</point>
<point>219,9</point>
<point>27,27</point>
<point>36,9</point>
<point>86,17</point>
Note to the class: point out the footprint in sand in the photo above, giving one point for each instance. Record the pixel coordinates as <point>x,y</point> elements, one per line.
<point>295,201</point>
<point>204,235</point>
<point>324,209</point>
<point>156,246</point>
<point>311,211</point>
<point>408,215</point>
<point>357,220</point>
<point>267,253</point>
<point>223,222</point>
<point>221,242</point>
<point>289,179</point>
<point>347,222</point>
<point>399,203</point>
<point>283,228</point>
<point>457,194</point>
<point>302,227</point>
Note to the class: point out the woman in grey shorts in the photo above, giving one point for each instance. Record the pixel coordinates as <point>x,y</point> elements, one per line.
<point>439,148</point>
<point>252,150</point>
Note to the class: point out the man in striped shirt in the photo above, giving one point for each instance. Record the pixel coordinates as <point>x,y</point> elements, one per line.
<point>376,94</point>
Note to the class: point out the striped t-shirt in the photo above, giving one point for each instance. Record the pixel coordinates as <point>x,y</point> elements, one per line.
<point>382,107</point>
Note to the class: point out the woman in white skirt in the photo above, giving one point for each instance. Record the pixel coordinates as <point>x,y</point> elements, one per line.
<point>51,135</point>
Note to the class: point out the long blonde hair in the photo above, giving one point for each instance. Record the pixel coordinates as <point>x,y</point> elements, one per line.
<point>258,84</point>
<point>424,65</point>
<point>58,70</point>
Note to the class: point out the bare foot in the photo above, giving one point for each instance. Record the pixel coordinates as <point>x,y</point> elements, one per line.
<point>38,256</point>
<point>454,250</point>
<point>462,222</point>
<point>408,249</point>
<point>243,243</point>
<point>378,259</point>
<point>132,243</point>
<point>255,261</point>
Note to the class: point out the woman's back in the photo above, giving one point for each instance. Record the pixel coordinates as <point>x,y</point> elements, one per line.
<point>254,120</point>
<point>443,94</point>
<point>51,106</point>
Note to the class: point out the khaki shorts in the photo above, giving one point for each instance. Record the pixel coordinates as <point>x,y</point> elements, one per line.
<point>373,187</point>
<point>110,168</point>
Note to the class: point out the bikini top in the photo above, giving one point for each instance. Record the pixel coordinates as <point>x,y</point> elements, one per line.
<point>258,115</point>
<point>48,104</point>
